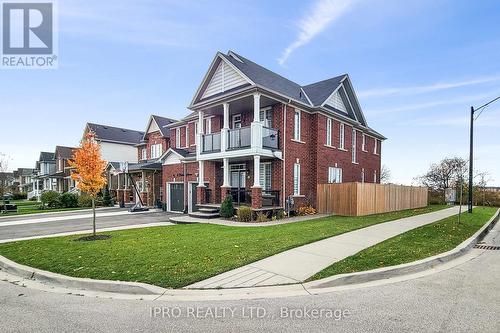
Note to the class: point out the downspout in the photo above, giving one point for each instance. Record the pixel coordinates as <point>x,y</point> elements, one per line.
<point>284,152</point>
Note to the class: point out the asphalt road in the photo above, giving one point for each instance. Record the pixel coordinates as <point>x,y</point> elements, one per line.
<point>73,224</point>
<point>465,298</point>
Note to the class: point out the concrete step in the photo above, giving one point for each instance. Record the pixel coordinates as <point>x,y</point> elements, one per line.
<point>202,215</point>
<point>182,219</point>
<point>208,210</point>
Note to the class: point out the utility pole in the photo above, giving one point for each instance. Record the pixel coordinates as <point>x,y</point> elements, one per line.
<point>471,159</point>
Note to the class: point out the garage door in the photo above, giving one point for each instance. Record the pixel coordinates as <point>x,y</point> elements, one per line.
<point>177,197</point>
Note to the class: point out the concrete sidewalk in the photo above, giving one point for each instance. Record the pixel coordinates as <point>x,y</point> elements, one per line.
<point>298,264</point>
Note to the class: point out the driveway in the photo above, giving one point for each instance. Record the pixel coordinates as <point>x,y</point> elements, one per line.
<point>77,221</point>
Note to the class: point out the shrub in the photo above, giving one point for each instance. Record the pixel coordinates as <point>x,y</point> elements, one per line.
<point>33,199</point>
<point>19,196</point>
<point>50,199</point>
<point>106,198</point>
<point>280,214</point>
<point>306,210</point>
<point>261,217</point>
<point>227,208</point>
<point>244,214</point>
<point>68,200</point>
<point>84,200</point>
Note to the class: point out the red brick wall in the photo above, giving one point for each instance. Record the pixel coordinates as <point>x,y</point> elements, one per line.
<point>153,139</point>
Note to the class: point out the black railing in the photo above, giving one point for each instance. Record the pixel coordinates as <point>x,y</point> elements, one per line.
<point>239,138</point>
<point>240,196</point>
<point>211,142</point>
<point>270,138</point>
<point>270,198</point>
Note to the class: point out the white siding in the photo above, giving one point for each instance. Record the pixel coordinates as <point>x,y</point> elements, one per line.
<point>336,101</point>
<point>224,78</point>
<point>115,152</point>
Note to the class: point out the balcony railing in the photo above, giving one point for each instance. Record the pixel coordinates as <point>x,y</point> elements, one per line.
<point>239,138</point>
<point>270,198</point>
<point>270,138</point>
<point>211,142</point>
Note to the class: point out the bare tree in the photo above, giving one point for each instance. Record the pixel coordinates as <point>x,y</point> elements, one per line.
<point>444,174</point>
<point>4,181</point>
<point>481,180</point>
<point>385,174</point>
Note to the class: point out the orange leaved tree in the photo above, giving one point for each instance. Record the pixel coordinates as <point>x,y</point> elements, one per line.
<point>89,169</point>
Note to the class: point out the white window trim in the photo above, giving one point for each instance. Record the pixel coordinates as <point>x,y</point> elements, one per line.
<point>296,167</point>
<point>363,143</point>
<point>178,137</point>
<point>207,122</point>
<point>233,122</point>
<point>354,141</point>
<point>329,127</point>
<point>342,136</point>
<point>263,179</point>
<point>336,174</point>
<point>297,130</point>
<point>187,136</point>
<point>144,154</point>
<point>375,146</point>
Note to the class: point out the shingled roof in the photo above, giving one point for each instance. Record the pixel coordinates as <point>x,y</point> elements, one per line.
<point>46,156</point>
<point>115,134</point>
<point>64,152</point>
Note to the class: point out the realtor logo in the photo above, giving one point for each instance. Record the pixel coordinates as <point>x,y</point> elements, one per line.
<point>28,35</point>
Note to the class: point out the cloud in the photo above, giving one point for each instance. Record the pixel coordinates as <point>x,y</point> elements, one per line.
<point>425,89</point>
<point>489,119</point>
<point>322,14</point>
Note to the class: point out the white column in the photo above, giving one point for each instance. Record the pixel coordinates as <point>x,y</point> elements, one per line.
<point>199,132</point>
<point>119,186</point>
<point>143,176</point>
<point>256,171</point>
<point>226,172</point>
<point>201,174</point>
<point>256,126</point>
<point>256,107</point>
<point>225,129</point>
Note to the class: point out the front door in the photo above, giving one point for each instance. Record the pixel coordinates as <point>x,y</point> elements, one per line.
<point>176,197</point>
<point>238,186</point>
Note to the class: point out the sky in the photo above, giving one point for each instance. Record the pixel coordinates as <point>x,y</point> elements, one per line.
<point>417,69</point>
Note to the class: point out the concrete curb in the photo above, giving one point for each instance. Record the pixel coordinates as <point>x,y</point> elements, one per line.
<point>121,289</point>
<point>405,269</point>
<point>86,210</point>
<point>59,280</point>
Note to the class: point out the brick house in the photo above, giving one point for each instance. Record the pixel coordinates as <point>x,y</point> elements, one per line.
<point>62,173</point>
<point>143,182</point>
<point>262,138</point>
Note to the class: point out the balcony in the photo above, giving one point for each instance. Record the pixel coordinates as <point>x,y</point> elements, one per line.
<point>240,138</point>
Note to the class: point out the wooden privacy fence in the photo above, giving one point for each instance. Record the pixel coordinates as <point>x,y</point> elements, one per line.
<point>357,199</point>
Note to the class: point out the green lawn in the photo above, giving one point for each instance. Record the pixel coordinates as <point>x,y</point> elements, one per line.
<point>413,245</point>
<point>32,207</point>
<point>176,256</point>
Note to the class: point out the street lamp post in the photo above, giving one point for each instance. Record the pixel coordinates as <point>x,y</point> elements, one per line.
<point>471,159</point>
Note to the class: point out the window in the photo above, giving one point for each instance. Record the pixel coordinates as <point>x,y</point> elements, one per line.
<point>265,176</point>
<point>156,150</point>
<point>60,164</point>
<point>354,139</point>
<point>236,121</point>
<point>363,143</point>
<point>329,131</point>
<point>296,129</point>
<point>363,175</point>
<point>375,176</point>
<point>208,125</point>
<point>342,136</point>
<point>144,155</point>
<point>296,179</point>
<point>187,135</point>
<point>375,146</point>
<point>334,175</point>
<point>266,117</point>
<point>178,137</point>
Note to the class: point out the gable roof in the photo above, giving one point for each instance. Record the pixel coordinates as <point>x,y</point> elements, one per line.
<point>319,92</point>
<point>334,96</point>
<point>162,123</point>
<point>115,134</point>
<point>64,152</point>
<point>46,156</point>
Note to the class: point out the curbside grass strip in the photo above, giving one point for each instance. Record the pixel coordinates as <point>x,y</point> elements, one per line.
<point>120,287</point>
<point>408,268</point>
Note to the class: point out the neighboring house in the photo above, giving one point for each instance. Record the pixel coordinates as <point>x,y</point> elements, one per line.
<point>62,172</point>
<point>6,183</point>
<point>45,166</point>
<point>23,179</point>
<point>117,144</point>
<point>147,174</point>
<point>262,138</point>
<point>494,189</point>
